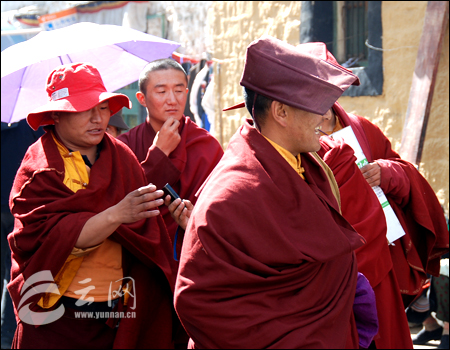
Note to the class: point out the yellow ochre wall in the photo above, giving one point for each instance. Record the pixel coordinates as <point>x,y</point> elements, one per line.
<point>235,24</point>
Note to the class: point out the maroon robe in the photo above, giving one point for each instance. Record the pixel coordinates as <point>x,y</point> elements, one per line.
<point>49,218</point>
<point>415,204</point>
<point>186,168</point>
<point>361,207</point>
<point>267,260</point>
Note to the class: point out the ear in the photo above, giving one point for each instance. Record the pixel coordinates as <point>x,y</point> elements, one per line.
<point>141,98</point>
<point>279,113</point>
<point>55,117</point>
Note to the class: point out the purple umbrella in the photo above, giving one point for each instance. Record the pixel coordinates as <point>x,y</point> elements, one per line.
<point>118,52</point>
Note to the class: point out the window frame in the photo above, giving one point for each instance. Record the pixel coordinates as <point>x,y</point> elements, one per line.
<point>370,76</point>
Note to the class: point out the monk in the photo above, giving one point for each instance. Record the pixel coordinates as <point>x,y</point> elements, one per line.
<point>170,147</point>
<point>413,200</point>
<point>361,207</point>
<point>394,282</point>
<point>268,261</point>
<point>87,224</point>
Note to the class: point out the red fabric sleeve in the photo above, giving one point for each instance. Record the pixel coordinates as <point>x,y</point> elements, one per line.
<point>360,206</point>
<point>185,169</point>
<point>49,218</point>
<point>413,201</point>
<point>394,180</point>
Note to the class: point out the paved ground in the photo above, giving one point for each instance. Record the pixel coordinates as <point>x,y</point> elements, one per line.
<point>430,345</point>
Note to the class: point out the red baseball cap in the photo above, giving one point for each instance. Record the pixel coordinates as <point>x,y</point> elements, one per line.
<point>75,87</point>
<point>281,72</point>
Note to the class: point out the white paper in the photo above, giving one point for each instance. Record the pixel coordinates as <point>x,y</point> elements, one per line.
<point>394,228</point>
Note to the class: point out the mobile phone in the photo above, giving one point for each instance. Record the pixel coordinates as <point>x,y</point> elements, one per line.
<point>168,190</point>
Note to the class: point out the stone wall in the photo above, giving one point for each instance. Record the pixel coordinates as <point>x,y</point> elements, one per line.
<point>235,24</point>
<point>402,29</point>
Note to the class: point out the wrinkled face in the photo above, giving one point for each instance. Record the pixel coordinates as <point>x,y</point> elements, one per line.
<point>302,130</point>
<point>165,96</point>
<point>82,130</point>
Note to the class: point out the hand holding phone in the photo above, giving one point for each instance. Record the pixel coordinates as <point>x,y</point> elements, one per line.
<point>168,190</point>
<point>180,211</point>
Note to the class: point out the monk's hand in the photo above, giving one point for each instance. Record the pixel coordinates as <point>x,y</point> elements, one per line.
<point>180,210</point>
<point>372,174</point>
<point>140,204</point>
<point>168,138</point>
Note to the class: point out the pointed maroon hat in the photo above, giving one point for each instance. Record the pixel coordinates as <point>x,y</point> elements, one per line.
<point>281,72</point>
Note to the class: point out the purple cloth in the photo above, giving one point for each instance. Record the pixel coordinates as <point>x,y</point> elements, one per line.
<point>365,310</point>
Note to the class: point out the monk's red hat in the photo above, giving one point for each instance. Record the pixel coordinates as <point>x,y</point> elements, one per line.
<point>279,71</point>
<point>75,87</point>
<point>319,50</point>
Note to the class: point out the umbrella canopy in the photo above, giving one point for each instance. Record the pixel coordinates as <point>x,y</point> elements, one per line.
<point>119,53</point>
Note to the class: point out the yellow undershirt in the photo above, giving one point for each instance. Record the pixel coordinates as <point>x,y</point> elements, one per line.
<point>92,264</point>
<point>295,162</point>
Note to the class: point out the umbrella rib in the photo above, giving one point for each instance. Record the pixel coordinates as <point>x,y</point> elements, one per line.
<point>17,96</point>
<point>68,58</point>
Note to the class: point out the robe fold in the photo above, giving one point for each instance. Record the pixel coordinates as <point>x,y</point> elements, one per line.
<point>415,204</point>
<point>361,207</point>
<point>186,168</point>
<point>267,260</point>
<point>49,218</point>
